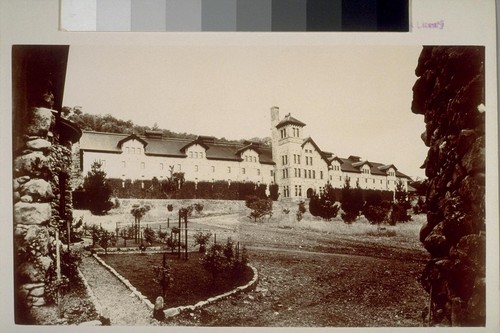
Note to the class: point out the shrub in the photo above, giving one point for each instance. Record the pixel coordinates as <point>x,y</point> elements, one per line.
<point>170,207</point>
<point>273,192</point>
<point>149,235</point>
<point>202,240</point>
<point>301,210</point>
<point>325,205</point>
<point>198,207</point>
<point>259,207</point>
<point>98,192</point>
<point>214,261</point>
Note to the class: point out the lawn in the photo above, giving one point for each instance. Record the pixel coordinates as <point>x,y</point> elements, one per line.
<point>191,282</point>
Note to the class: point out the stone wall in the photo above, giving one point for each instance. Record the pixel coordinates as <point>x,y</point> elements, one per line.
<point>449,93</point>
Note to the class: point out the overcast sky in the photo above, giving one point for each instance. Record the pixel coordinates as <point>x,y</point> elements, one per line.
<point>355,100</point>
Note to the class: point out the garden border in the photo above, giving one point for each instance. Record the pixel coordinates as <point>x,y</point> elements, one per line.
<point>171,312</point>
<point>97,305</point>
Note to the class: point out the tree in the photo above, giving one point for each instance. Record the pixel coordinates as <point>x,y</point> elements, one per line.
<point>97,190</point>
<point>399,212</point>
<point>376,213</point>
<point>138,212</point>
<point>106,239</point>
<point>259,207</point>
<point>163,275</point>
<point>202,239</point>
<point>198,207</point>
<point>127,233</point>
<point>149,235</point>
<point>351,203</point>
<point>324,206</point>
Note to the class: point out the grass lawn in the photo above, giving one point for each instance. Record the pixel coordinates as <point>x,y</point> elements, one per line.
<point>191,282</point>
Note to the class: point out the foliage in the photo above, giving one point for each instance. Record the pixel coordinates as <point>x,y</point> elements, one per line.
<point>324,206</point>
<point>351,202</point>
<point>376,213</point>
<point>202,239</point>
<point>170,207</point>
<point>97,190</point>
<point>401,205</point>
<point>214,261</point>
<point>149,235</point>
<point>138,211</point>
<point>259,207</point>
<point>127,233</point>
<point>69,274</point>
<point>198,207</point>
<point>106,239</point>
<point>420,207</point>
<point>219,259</point>
<point>163,275</point>
<point>273,192</point>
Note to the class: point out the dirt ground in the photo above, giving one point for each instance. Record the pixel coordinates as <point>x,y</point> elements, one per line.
<point>317,273</point>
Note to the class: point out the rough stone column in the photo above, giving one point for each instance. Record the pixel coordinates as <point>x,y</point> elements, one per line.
<point>450,94</point>
<point>32,206</point>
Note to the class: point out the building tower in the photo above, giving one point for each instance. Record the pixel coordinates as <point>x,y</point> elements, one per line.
<point>287,150</point>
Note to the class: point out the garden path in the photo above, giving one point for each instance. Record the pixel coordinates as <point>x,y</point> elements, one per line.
<point>113,295</point>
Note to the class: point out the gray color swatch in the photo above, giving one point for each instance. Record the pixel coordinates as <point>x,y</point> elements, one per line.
<point>218,15</point>
<point>183,15</point>
<point>148,15</point>
<point>253,15</point>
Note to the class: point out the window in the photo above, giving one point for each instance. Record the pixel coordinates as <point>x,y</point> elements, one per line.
<point>161,166</point>
<point>305,173</point>
<point>132,150</point>
<point>179,167</point>
<point>296,190</point>
<point>366,180</point>
<point>298,135</point>
<point>298,159</point>
<point>195,168</point>
<point>201,155</point>
<point>340,178</point>
<point>283,171</point>
<point>299,173</point>
<point>294,158</point>
<point>143,165</point>
<point>213,168</point>
<point>307,160</point>
<point>228,169</point>
<point>246,158</point>
<point>243,171</point>
<point>258,172</point>
<point>138,151</point>
<point>127,150</point>
<point>272,173</point>
<point>314,174</point>
<point>374,181</point>
<point>321,174</point>
<point>286,173</point>
<point>255,158</point>
<point>309,173</point>
<point>195,154</point>
<point>190,154</point>
<point>311,160</point>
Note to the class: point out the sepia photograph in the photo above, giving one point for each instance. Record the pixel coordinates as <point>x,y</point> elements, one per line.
<point>338,186</point>
<point>272,176</point>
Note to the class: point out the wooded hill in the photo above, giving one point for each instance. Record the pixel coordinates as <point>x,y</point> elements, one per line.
<point>111,124</point>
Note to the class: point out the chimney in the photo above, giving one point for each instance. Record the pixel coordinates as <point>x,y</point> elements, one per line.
<point>275,116</point>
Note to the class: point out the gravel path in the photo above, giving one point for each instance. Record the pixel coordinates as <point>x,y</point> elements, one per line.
<point>113,295</point>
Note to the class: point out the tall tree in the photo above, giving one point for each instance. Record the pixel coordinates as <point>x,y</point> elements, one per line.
<point>97,190</point>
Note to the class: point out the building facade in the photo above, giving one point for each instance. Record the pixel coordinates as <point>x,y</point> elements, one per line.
<point>296,164</point>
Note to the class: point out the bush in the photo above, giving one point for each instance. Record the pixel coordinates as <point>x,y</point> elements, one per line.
<point>149,235</point>
<point>325,205</point>
<point>273,192</point>
<point>202,240</point>
<point>301,210</point>
<point>198,207</point>
<point>97,190</point>
<point>259,207</point>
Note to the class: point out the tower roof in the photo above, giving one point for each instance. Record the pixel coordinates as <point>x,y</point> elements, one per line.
<point>290,120</point>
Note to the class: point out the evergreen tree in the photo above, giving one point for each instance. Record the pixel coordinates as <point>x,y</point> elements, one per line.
<point>351,202</point>
<point>324,206</point>
<point>97,190</point>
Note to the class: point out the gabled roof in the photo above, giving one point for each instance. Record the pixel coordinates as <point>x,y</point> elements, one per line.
<point>311,141</point>
<point>170,147</point>
<point>131,137</point>
<point>197,141</point>
<point>247,147</point>
<point>360,164</point>
<point>290,120</point>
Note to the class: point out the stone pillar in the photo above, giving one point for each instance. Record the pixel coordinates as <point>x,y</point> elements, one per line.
<point>450,94</point>
<point>32,207</point>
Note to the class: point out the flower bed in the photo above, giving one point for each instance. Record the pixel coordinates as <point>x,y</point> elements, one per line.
<point>191,283</point>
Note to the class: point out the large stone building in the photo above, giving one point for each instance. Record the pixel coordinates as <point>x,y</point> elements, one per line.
<point>296,164</point>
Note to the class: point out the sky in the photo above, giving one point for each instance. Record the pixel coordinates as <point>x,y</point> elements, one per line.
<point>355,100</point>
